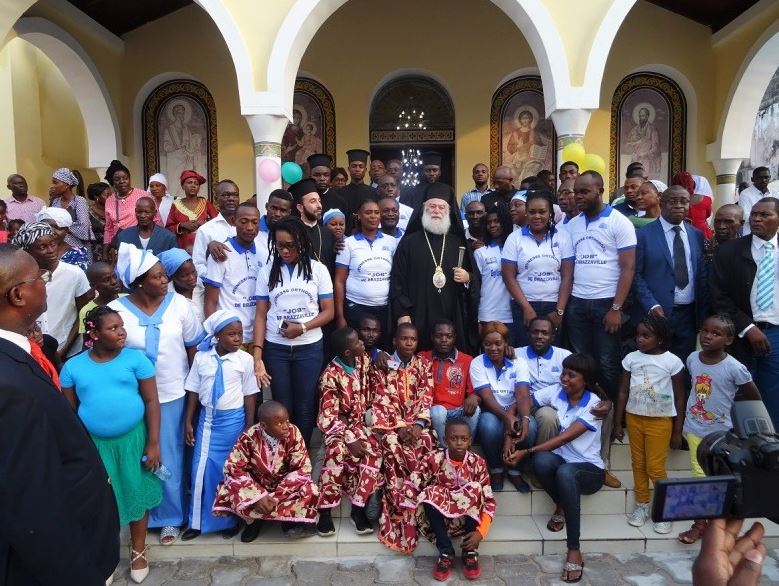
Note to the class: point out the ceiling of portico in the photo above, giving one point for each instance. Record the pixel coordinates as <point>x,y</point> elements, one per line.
<point>122,17</point>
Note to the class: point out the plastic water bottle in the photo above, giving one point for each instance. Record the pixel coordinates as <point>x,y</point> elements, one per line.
<point>160,471</point>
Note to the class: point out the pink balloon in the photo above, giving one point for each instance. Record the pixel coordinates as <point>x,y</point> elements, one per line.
<point>269,170</point>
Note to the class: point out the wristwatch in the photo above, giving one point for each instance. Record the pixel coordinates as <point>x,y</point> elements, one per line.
<point>616,307</point>
<point>560,312</point>
<point>304,327</point>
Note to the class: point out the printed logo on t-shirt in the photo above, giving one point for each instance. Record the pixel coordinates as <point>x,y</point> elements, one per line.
<point>455,377</point>
<point>702,392</point>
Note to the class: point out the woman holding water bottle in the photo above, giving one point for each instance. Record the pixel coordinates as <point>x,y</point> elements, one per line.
<point>114,391</point>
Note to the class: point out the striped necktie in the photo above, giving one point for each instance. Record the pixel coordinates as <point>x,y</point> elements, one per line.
<point>766,276</point>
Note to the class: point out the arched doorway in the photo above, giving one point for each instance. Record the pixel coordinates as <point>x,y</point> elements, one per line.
<point>410,113</point>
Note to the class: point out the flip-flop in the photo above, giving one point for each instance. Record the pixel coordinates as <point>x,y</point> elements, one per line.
<point>572,567</point>
<point>556,523</point>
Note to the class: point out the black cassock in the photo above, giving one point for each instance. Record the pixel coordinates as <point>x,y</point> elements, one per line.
<point>412,291</point>
<point>322,245</point>
<point>58,517</point>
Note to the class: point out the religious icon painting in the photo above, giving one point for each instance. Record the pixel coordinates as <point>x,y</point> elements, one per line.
<point>312,129</point>
<point>520,135</point>
<point>648,125</point>
<point>179,133</point>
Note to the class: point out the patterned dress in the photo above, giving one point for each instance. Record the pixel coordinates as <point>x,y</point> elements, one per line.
<point>403,397</point>
<point>457,491</point>
<point>180,213</point>
<point>344,399</point>
<point>256,468</point>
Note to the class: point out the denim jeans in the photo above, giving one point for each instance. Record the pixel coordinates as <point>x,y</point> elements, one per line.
<point>765,372</point>
<point>519,332</point>
<point>491,434</point>
<point>438,526</point>
<point>294,372</point>
<point>565,483</point>
<point>587,335</point>
<point>439,415</point>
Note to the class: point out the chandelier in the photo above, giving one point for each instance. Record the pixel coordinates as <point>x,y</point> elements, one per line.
<point>410,119</point>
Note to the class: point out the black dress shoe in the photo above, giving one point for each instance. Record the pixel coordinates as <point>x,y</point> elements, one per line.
<point>251,532</point>
<point>232,532</point>
<point>190,534</point>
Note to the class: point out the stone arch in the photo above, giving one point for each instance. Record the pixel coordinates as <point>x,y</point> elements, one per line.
<point>81,73</point>
<point>749,86</point>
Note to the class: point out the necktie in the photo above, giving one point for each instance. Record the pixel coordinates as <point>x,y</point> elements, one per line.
<point>766,277</point>
<point>681,277</point>
<point>219,382</point>
<point>37,354</point>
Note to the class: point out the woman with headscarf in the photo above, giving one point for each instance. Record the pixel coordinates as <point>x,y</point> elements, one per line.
<point>191,211</point>
<point>120,206</point>
<point>80,234</point>
<point>430,269</point>
<point>98,194</point>
<point>158,187</point>
<point>183,278</point>
<point>162,324</point>
<point>61,223</point>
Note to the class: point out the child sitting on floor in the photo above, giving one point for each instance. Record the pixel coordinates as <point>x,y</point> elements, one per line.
<point>401,408</point>
<point>352,460</point>
<point>267,477</point>
<point>222,381</point>
<point>456,499</point>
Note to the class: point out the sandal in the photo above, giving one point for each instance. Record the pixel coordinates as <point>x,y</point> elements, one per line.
<point>572,567</point>
<point>694,533</point>
<point>138,576</point>
<point>169,535</point>
<point>556,523</point>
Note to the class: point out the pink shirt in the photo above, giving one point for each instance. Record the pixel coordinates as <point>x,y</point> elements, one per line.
<point>23,210</point>
<point>120,213</point>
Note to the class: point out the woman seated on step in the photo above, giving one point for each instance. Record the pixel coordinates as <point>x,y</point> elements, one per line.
<point>569,464</point>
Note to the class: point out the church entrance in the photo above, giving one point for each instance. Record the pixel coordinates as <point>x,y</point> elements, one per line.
<point>410,115</point>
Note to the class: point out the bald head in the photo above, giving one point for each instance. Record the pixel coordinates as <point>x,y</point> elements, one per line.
<point>503,179</point>
<point>23,291</point>
<point>728,222</point>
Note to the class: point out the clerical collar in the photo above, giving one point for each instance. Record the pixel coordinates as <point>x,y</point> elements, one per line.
<point>305,221</point>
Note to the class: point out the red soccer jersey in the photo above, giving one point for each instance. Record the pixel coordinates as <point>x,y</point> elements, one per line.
<point>451,378</point>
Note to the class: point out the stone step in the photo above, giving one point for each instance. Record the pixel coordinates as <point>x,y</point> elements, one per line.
<point>509,535</point>
<point>620,458</point>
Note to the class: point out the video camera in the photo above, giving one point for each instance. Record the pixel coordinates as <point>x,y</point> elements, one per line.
<point>742,473</point>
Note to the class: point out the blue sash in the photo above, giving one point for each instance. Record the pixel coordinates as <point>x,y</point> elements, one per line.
<point>150,322</point>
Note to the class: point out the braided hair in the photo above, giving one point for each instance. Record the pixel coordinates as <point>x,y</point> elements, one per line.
<point>93,318</point>
<point>297,229</point>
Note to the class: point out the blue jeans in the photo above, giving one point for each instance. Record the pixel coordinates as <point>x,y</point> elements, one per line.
<point>765,372</point>
<point>439,415</point>
<point>519,332</point>
<point>294,372</point>
<point>565,483</point>
<point>587,335</point>
<point>491,434</point>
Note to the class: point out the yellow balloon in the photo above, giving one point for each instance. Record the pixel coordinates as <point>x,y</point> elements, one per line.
<point>574,152</point>
<point>593,162</point>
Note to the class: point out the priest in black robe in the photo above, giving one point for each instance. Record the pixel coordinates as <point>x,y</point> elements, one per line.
<point>431,271</point>
<point>309,209</point>
<point>356,191</point>
<point>321,166</point>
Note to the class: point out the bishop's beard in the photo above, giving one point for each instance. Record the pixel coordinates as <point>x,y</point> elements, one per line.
<point>437,226</point>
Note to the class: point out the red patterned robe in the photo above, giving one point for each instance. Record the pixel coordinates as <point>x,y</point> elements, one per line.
<point>254,469</point>
<point>402,398</point>
<point>456,491</point>
<point>344,399</point>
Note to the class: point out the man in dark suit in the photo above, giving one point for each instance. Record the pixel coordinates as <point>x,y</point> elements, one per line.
<point>744,284</point>
<point>669,279</point>
<point>58,517</point>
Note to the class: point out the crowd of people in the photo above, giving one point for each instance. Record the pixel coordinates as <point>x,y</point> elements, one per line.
<point>531,318</point>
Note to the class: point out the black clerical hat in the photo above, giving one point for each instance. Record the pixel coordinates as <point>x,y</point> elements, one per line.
<point>302,188</point>
<point>358,155</point>
<point>431,158</point>
<point>319,160</point>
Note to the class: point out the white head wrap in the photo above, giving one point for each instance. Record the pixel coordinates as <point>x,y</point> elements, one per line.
<point>214,324</point>
<point>520,194</point>
<point>131,263</point>
<point>659,185</point>
<point>59,216</point>
<point>702,186</point>
<point>158,178</point>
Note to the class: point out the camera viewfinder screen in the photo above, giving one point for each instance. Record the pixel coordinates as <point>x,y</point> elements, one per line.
<point>696,500</point>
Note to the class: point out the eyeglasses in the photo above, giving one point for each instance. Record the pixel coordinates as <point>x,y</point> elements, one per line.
<point>286,246</point>
<point>43,274</point>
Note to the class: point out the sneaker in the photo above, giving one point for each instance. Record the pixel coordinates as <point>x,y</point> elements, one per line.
<point>663,527</point>
<point>639,515</point>
<point>325,526</point>
<point>361,524</point>
<point>471,568</point>
<point>443,568</point>
<point>373,506</point>
<point>612,481</point>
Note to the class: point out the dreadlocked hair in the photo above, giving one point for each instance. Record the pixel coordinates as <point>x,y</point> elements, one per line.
<point>297,229</point>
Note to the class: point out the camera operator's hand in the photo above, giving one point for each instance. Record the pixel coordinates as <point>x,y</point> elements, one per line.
<point>728,560</point>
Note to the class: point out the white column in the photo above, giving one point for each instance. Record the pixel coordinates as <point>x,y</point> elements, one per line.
<point>570,126</point>
<point>725,190</point>
<point>267,132</point>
